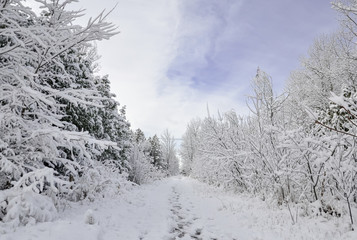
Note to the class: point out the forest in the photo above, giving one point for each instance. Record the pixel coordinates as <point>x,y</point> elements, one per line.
<point>64,138</point>
<point>296,148</point>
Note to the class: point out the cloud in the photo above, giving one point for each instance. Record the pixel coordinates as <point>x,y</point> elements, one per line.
<point>202,27</point>
<point>172,58</point>
<point>154,37</point>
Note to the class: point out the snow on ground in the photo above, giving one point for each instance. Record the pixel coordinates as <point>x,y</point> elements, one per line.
<point>179,208</point>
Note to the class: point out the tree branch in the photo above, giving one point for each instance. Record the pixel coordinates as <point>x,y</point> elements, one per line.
<point>333,129</point>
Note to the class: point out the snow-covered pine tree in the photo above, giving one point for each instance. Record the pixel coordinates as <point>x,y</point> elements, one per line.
<point>156,153</point>
<point>104,120</point>
<point>40,153</point>
<point>142,168</point>
<point>139,136</point>
<point>116,129</point>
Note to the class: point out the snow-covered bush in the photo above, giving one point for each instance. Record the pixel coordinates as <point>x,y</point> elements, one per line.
<point>98,182</point>
<point>25,207</point>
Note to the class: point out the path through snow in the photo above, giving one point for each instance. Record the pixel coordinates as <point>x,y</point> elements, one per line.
<point>178,208</point>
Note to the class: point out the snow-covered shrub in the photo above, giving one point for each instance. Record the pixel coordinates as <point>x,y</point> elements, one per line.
<point>99,181</point>
<point>26,207</point>
<point>30,199</point>
<point>87,186</point>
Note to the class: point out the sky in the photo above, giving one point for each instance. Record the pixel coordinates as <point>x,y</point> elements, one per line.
<point>173,59</point>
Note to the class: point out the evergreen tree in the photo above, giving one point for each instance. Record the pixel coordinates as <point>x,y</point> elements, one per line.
<point>156,153</point>
<point>143,169</point>
<point>43,70</point>
<point>139,136</point>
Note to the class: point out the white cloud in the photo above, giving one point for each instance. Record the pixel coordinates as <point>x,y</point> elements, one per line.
<point>137,61</point>
<point>190,37</point>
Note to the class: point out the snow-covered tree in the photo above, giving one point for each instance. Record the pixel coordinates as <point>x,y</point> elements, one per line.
<point>170,158</point>
<point>297,148</point>
<point>143,168</point>
<point>156,153</point>
<point>43,71</point>
<point>189,146</point>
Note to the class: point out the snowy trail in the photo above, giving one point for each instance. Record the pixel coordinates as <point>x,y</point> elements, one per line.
<point>201,212</point>
<point>177,208</point>
<point>196,216</point>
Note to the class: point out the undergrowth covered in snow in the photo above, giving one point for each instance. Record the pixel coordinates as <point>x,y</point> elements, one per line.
<point>182,208</point>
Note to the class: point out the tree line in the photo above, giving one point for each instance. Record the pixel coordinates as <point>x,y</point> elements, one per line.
<point>297,148</point>
<point>63,136</point>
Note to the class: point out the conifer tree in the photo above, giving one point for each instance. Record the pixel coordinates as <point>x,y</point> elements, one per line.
<point>43,70</point>
<point>156,153</point>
